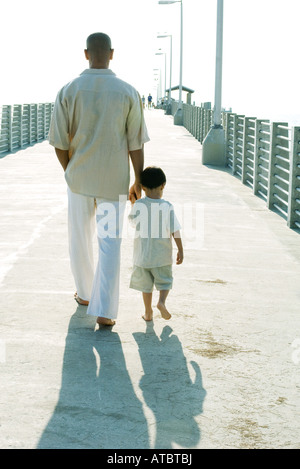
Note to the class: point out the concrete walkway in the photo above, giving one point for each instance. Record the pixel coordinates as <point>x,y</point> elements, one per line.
<point>224,372</point>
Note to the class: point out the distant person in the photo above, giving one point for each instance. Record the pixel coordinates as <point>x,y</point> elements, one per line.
<point>156,224</point>
<point>97,122</point>
<point>143,101</point>
<point>149,100</point>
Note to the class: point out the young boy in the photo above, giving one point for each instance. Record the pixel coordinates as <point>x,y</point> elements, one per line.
<point>155,225</point>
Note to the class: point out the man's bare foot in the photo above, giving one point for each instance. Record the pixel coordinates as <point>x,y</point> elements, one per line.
<point>80,301</point>
<point>105,321</point>
<point>163,311</point>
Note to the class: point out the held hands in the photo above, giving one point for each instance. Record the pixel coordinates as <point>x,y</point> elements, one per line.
<point>135,192</point>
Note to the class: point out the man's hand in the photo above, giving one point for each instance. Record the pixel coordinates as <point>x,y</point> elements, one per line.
<point>137,159</point>
<point>135,192</point>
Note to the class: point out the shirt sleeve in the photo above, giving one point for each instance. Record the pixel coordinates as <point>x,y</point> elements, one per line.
<point>59,126</point>
<point>137,133</point>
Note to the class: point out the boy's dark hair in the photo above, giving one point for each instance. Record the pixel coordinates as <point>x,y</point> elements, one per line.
<point>153,177</point>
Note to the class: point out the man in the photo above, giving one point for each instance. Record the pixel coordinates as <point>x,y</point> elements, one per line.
<point>97,122</point>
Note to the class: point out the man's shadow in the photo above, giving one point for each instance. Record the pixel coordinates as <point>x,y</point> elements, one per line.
<point>97,406</point>
<point>168,390</point>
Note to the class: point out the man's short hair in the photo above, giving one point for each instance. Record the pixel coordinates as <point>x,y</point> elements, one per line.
<point>153,177</point>
<point>98,42</point>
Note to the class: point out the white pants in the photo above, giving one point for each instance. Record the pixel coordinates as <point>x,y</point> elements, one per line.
<point>102,288</point>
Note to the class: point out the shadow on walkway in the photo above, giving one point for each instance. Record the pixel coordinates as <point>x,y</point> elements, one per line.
<point>168,389</point>
<point>98,407</point>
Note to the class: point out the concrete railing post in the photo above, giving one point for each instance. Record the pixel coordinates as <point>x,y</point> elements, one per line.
<point>247,137</point>
<point>258,127</point>
<point>9,128</point>
<point>229,120</point>
<point>237,142</point>
<point>21,127</point>
<point>274,141</point>
<point>293,219</point>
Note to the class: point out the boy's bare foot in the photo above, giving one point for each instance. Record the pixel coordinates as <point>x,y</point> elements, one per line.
<point>148,316</point>
<point>163,311</point>
<point>105,321</point>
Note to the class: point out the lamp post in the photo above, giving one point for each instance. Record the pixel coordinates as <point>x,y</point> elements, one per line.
<point>169,106</point>
<point>213,149</point>
<point>157,78</point>
<point>178,118</point>
<point>163,53</point>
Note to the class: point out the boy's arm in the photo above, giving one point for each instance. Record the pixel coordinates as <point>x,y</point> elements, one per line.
<point>177,239</point>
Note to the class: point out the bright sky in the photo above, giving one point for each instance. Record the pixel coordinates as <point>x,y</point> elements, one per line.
<point>42,49</point>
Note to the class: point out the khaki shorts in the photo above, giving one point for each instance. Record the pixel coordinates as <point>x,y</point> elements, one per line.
<point>143,279</point>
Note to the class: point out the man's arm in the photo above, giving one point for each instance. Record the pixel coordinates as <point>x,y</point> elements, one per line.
<point>137,159</point>
<point>63,157</point>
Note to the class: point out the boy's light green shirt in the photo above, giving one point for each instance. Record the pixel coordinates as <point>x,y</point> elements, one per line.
<point>155,222</point>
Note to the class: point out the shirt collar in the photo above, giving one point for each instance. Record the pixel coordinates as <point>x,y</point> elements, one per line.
<point>98,71</point>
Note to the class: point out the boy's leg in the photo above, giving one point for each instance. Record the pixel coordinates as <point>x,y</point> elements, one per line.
<point>147,297</point>
<point>161,304</point>
<point>163,281</point>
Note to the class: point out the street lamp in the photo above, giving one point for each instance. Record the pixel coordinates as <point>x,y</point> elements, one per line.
<point>178,118</point>
<point>213,149</point>
<point>157,77</point>
<point>168,110</point>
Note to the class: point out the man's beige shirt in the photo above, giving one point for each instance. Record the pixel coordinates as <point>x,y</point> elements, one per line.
<point>99,119</point>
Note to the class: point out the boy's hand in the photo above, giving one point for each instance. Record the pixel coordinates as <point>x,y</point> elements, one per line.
<point>179,259</point>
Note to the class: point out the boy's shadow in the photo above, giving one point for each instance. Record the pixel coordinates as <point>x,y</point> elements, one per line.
<point>97,405</point>
<point>168,388</point>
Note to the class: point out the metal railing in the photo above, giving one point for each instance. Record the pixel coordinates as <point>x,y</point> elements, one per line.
<point>22,125</point>
<point>264,155</point>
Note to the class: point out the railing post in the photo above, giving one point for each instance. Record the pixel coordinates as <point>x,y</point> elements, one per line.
<point>193,119</point>
<point>9,127</point>
<point>272,162</point>
<point>244,151</point>
<point>184,115</point>
<point>201,124</point>
<point>198,123</point>
<point>21,127</point>
<point>29,122</point>
<point>293,219</point>
<point>228,141</point>
<point>258,128</point>
<point>36,122</point>
<point>236,142</point>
